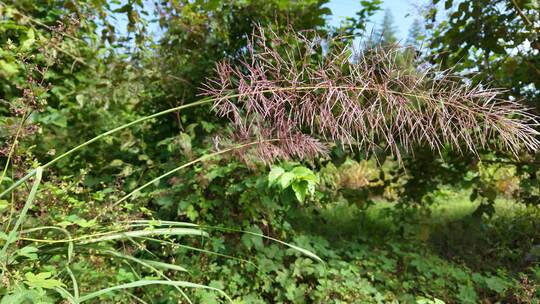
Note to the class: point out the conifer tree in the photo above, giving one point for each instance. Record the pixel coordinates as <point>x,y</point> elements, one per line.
<point>386,35</point>
<point>415,34</point>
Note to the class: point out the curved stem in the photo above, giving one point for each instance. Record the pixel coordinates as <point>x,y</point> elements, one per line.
<point>12,147</point>
<point>196,103</point>
<point>184,166</point>
<point>86,143</point>
<point>12,235</point>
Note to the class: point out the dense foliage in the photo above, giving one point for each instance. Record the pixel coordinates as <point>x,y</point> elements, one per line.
<point>178,167</point>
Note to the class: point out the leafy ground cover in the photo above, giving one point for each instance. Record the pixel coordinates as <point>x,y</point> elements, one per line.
<point>445,257</point>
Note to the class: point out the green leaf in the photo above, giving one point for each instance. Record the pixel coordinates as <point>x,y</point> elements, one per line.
<point>3,204</point>
<point>75,219</point>
<point>467,294</point>
<point>15,298</point>
<point>496,284</point>
<point>54,117</point>
<point>302,172</point>
<point>300,190</point>
<point>116,163</point>
<point>185,142</point>
<point>253,239</point>
<point>274,174</point>
<point>86,223</point>
<point>8,68</point>
<point>286,179</point>
<point>21,295</point>
<point>29,251</point>
<point>29,41</point>
<point>41,280</point>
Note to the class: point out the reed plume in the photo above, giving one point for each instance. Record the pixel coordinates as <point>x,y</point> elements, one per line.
<point>307,94</point>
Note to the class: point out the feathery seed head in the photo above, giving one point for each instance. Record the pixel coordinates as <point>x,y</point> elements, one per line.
<point>286,90</point>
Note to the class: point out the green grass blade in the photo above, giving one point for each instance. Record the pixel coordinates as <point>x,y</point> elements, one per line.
<point>148,263</point>
<point>136,298</point>
<point>210,155</point>
<point>12,235</point>
<point>163,265</point>
<point>102,135</point>
<point>63,230</point>
<point>202,251</point>
<point>151,267</point>
<point>158,223</point>
<point>299,249</point>
<point>66,295</point>
<point>149,232</point>
<point>142,283</point>
<point>75,284</point>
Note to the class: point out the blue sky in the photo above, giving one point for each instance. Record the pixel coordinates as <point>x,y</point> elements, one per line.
<point>404,12</point>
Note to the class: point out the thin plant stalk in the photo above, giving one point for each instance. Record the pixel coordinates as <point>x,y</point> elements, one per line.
<point>301,250</point>
<point>122,234</point>
<point>12,148</point>
<point>148,265</point>
<point>185,166</point>
<point>74,283</point>
<point>141,283</point>
<point>29,201</point>
<point>213,100</point>
<point>102,135</point>
<point>124,126</point>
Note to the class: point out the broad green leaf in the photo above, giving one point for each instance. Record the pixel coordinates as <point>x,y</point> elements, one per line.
<point>29,41</point>
<point>29,251</point>
<point>286,179</point>
<point>185,142</point>
<point>15,298</point>
<point>41,280</point>
<point>22,295</point>
<point>64,224</point>
<point>304,173</point>
<point>496,284</point>
<point>85,223</point>
<point>274,174</point>
<point>300,190</point>
<point>3,204</point>
<point>116,163</point>
<point>467,294</point>
<point>8,68</point>
<point>253,239</point>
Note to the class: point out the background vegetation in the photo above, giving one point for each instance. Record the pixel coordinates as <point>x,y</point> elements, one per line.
<point>427,223</point>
